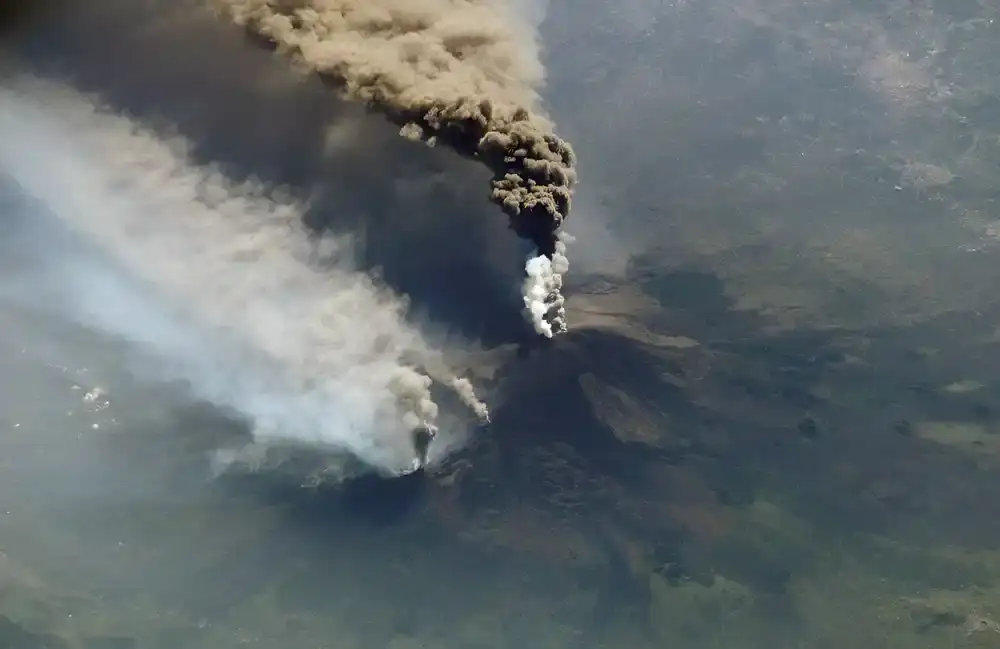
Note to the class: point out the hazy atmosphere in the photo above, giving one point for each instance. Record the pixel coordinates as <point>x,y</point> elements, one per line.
<point>499,323</point>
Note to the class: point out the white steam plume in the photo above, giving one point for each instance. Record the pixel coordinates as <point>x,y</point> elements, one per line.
<point>232,304</point>
<point>543,299</point>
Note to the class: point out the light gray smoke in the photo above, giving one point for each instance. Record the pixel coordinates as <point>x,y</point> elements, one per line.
<point>463,73</point>
<point>219,282</point>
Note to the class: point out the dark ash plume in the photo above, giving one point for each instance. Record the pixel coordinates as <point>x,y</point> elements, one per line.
<point>454,72</point>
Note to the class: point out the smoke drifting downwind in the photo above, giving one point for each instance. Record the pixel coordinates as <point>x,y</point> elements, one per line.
<point>462,73</point>
<point>222,286</point>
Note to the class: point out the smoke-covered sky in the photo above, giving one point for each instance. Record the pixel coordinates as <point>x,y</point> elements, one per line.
<point>823,167</point>
<point>283,339</point>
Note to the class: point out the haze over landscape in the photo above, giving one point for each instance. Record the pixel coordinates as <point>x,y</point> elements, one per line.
<point>692,303</point>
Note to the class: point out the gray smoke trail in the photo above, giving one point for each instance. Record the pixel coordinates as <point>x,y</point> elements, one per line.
<point>458,72</point>
<point>227,300</point>
<point>463,387</point>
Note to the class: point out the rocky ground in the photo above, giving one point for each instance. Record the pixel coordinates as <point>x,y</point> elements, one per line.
<point>694,475</point>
